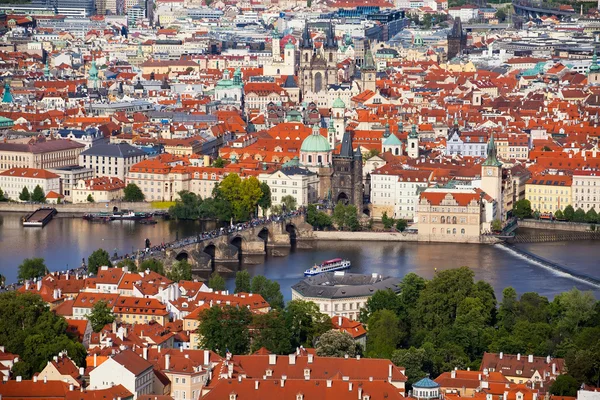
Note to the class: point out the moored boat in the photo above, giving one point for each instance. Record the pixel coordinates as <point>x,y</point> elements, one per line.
<point>335,264</point>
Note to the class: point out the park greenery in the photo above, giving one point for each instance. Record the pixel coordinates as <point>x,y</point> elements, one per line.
<point>132,192</point>
<point>300,323</point>
<point>154,265</point>
<point>25,195</point>
<point>337,344</point>
<point>450,321</point>
<point>345,217</point>
<point>40,336</point>
<point>32,268</point>
<point>100,316</point>
<point>398,224</point>
<point>232,199</point>
<point>180,271</point>
<point>99,258</point>
<point>522,209</point>
<point>318,219</point>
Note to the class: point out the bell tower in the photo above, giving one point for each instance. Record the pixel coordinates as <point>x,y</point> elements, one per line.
<point>491,176</point>
<point>368,71</point>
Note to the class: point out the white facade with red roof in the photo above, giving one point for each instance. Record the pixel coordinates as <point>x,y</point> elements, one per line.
<point>12,181</point>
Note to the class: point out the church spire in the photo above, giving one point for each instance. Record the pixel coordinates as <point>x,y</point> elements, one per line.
<point>492,154</point>
<point>369,64</point>
<point>7,97</point>
<point>306,42</point>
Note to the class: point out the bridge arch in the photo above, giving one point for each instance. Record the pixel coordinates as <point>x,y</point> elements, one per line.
<point>264,235</point>
<point>211,250</point>
<point>292,230</point>
<point>182,255</point>
<point>238,242</point>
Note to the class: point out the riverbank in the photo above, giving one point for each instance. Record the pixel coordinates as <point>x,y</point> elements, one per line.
<point>556,225</point>
<point>77,209</point>
<point>341,236</point>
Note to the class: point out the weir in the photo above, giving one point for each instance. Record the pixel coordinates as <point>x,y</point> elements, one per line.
<point>535,259</point>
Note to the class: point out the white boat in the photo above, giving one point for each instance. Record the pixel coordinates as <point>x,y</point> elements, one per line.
<point>328,266</point>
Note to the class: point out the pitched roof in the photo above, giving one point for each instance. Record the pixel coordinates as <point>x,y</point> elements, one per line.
<point>132,362</point>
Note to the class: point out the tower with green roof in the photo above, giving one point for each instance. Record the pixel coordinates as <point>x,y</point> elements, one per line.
<point>315,150</point>
<point>491,176</point>
<point>338,115</point>
<point>412,143</point>
<point>47,69</point>
<point>594,71</point>
<point>93,80</point>
<point>7,97</point>
<point>368,71</point>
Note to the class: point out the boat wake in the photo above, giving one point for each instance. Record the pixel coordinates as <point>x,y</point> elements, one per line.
<point>549,265</point>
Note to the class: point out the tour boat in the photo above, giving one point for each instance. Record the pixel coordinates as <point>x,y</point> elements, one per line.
<point>328,266</point>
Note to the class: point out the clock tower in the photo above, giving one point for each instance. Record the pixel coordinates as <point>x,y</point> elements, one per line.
<point>491,177</point>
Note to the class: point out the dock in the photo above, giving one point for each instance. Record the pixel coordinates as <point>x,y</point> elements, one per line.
<point>39,217</point>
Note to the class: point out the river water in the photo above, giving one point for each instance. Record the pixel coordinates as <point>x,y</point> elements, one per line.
<point>65,241</point>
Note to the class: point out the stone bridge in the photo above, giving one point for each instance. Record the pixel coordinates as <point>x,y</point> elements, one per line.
<point>249,246</point>
<point>531,10</point>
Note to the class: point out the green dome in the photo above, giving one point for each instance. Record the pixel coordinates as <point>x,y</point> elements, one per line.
<point>339,103</point>
<point>315,143</point>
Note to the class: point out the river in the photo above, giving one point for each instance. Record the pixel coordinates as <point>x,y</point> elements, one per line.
<point>65,241</point>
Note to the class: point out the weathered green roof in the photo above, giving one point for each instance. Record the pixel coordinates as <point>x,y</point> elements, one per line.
<point>339,103</point>
<point>392,140</point>
<point>492,158</point>
<point>315,143</point>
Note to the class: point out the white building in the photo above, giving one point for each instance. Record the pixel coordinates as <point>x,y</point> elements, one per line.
<point>466,12</point>
<point>342,294</point>
<point>88,137</point>
<point>125,368</point>
<point>102,190</point>
<point>111,159</point>
<point>13,181</point>
<point>396,191</point>
<point>292,180</point>
<point>585,190</point>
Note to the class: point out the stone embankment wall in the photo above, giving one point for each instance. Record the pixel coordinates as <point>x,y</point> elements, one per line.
<point>71,209</point>
<point>365,236</point>
<point>555,225</point>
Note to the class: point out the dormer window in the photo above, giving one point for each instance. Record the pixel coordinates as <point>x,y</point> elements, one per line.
<point>269,372</point>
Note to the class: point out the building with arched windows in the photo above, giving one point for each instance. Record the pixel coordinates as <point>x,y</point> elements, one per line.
<point>426,389</point>
<point>318,68</point>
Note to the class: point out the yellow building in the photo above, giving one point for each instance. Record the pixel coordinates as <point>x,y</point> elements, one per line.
<point>447,215</point>
<point>549,193</point>
<point>134,310</point>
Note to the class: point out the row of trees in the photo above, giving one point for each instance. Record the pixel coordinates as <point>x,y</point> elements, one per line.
<point>522,209</point>
<point>450,321</point>
<point>37,195</point>
<point>280,331</point>
<point>232,199</point>
<point>399,224</point>
<point>345,217</point>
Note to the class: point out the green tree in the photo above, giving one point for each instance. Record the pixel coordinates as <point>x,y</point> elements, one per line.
<point>28,328</point>
<point>90,199</point>
<point>305,322</point>
<point>152,264</point>
<point>339,215</point>
<point>501,14</point>
<point>215,208</point>
<point>591,216</point>
<point>576,308</point>
<point>381,300</point>
<point>369,154</point>
<point>242,281</point>
<point>289,203</point>
<point>242,196</point>
<point>218,163</point>
<point>97,259</point>
<point>180,271</point>
<point>187,207</point>
<point>269,290</point>
<point>564,385</point>
<point>413,359</point>
<point>507,314</point>
<point>336,344</point>
<point>270,332</point>
<point>401,225</point>
<point>384,334</point>
<point>559,215</point>
<point>318,219</point>
<point>387,221</point>
<point>24,195</point>
<point>569,213</point>
<point>129,263</point>
<point>2,198</point>
<point>132,192</point>
<point>226,328</point>
<point>2,280</point>
<point>496,225</point>
<point>100,315</point>
<point>38,195</point>
<point>265,199</point>
<point>32,268</point>
<point>522,209</point>
<point>579,215</point>
<point>216,281</point>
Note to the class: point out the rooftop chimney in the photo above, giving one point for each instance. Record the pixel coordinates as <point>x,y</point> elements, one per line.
<point>349,386</point>
<point>292,359</point>
<point>167,361</point>
<point>501,355</point>
<point>256,385</point>
<point>310,358</point>
<point>518,356</point>
<point>340,321</point>
<point>272,359</point>
<point>530,358</point>
<point>206,357</point>
<point>95,361</point>
<point>19,378</point>
<point>359,393</point>
<point>329,381</point>
<point>453,374</point>
<point>145,353</point>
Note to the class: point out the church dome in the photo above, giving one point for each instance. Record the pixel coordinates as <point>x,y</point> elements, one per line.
<point>339,103</point>
<point>315,143</point>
